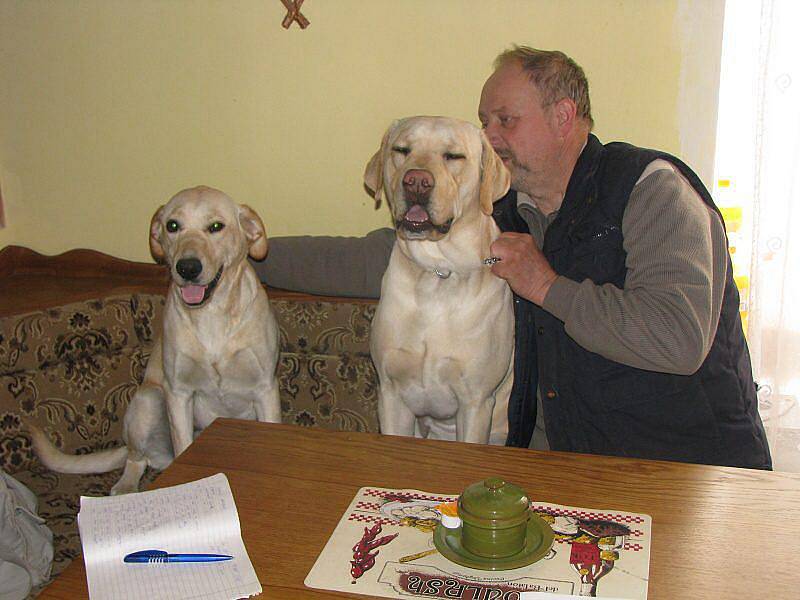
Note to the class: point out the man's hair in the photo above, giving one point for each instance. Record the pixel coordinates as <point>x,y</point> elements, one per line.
<point>554,74</point>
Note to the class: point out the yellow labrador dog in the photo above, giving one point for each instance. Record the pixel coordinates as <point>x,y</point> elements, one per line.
<point>443,334</point>
<point>218,351</point>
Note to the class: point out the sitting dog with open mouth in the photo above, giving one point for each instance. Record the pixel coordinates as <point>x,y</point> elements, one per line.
<point>218,351</point>
<point>443,334</point>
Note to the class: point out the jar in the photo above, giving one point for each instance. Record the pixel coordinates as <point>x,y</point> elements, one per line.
<point>494,518</point>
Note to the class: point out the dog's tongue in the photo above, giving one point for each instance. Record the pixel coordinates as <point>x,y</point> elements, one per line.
<point>417,214</point>
<point>192,294</point>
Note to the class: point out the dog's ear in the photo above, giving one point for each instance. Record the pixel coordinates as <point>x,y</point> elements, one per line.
<point>373,177</point>
<point>373,174</point>
<point>156,249</point>
<point>495,178</point>
<point>254,230</point>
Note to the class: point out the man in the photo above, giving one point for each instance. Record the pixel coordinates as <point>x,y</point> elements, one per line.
<point>627,319</point>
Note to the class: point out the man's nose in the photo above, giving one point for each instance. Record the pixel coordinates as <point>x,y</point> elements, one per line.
<point>491,131</point>
<point>418,182</point>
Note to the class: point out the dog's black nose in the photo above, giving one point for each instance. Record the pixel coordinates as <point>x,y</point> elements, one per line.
<point>189,268</point>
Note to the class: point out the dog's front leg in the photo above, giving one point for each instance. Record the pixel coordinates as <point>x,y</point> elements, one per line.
<point>474,421</point>
<point>394,416</point>
<point>181,419</point>
<point>268,403</point>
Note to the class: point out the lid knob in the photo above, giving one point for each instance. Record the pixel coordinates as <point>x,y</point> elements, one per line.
<point>494,483</point>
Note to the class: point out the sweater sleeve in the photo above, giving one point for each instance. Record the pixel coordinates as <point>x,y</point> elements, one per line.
<point>326,265</point>
<point>666,317</point>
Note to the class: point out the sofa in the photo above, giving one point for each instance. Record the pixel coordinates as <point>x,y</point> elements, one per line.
<point>76,331</point>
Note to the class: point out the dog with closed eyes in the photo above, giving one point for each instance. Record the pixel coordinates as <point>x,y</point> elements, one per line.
<point>218,351</point>
<point>443,334</point>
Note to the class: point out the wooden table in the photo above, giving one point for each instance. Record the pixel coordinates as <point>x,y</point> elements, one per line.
<point>718,532</point>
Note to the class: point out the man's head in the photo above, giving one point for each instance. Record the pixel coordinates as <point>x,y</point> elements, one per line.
<point>536,112</point>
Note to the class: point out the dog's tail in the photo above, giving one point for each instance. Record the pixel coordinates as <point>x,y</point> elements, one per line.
<point>55,460</point>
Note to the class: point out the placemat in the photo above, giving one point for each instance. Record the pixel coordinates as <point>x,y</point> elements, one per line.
<point>383,546</point>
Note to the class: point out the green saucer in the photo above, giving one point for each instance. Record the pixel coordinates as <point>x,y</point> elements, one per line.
<point>538,541</point>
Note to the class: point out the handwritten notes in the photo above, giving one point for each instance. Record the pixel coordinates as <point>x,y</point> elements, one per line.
<point>197,517</point>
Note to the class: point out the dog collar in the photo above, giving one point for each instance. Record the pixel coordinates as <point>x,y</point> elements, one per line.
<point>444,273</point>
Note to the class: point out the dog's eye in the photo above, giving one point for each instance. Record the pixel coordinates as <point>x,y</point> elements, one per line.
<point>404,150</point>
<point>173,226</point>
<point>454,156</point>
<point>216,227</point>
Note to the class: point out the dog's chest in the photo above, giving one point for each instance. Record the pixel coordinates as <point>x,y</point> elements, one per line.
<point>219,372</point>
<point>452,326</point>
<point>222,387</point>
<point>220,363</point>
<point>431,343</point>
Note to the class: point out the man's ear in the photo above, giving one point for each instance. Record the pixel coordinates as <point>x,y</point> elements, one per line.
<point>565,112</point>
<point>373,174</point>
<point>495,178</point>
<point>156,249</point>
<point>254,230</point>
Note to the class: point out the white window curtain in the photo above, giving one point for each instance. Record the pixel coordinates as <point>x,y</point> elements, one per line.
<point>773,298</point>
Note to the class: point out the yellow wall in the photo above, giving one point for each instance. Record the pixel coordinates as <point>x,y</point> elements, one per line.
<point>108,107</point>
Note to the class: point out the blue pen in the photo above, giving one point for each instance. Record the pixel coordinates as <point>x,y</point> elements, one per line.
<point>160,556</point>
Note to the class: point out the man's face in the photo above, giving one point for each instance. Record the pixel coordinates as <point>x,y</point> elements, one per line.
<point>521,131</point>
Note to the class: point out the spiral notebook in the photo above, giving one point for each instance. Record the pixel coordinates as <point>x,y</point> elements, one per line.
<point>196,517</point>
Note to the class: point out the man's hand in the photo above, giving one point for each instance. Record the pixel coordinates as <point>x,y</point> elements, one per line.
<point>523,266</point>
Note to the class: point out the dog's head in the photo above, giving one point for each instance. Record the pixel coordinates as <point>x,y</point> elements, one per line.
<point>433,170</point>
<point>201,234</point>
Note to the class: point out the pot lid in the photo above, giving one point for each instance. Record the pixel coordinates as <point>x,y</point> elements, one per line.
<point>494,503</point>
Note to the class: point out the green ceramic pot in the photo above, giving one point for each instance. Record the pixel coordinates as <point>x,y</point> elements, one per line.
<point>494,518</point>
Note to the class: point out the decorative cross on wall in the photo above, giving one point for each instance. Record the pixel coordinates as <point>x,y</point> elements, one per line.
<point>294,14</point>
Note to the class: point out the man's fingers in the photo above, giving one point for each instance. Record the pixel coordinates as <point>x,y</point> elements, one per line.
<point>511,244</point>
<point>523,266</point>
<point>504,248</point>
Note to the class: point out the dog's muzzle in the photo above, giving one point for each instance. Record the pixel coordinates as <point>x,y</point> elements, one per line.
<point>193,294</point>
<point>417,220</point>
<point>418,185</point>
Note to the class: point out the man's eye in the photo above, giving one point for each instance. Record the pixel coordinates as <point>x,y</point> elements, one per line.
<point>216,227</point>
<point>404,150</point>
<point>454,156</point>
<point>173,226</point>
<point>506,121</point>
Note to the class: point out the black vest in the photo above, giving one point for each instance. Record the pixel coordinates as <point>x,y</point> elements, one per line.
<point>594,405</point>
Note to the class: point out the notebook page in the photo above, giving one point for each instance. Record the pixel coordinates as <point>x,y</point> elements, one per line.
<point>196,517</point>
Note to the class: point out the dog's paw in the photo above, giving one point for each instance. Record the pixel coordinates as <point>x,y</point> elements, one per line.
<point>120,488</point>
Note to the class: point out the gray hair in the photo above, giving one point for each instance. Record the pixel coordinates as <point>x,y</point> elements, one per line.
<point>554,74</point>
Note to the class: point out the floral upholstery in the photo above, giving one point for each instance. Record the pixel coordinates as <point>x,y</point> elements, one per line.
<point>325,373</point>
<point>72,370</point>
